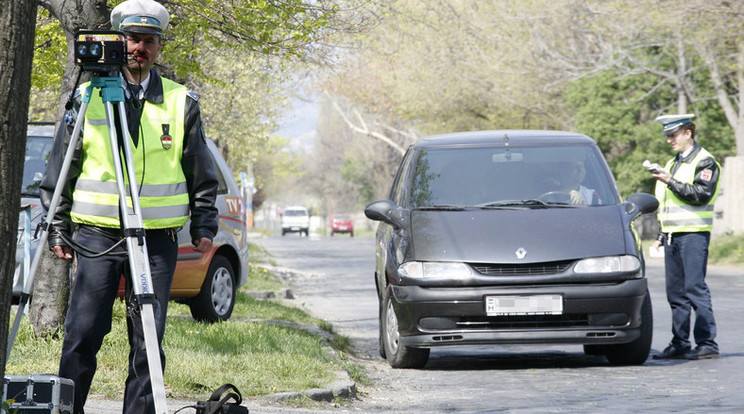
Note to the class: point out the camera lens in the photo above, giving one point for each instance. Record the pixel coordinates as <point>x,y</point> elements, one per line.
<point>82,50</point>
<point>95,49</point>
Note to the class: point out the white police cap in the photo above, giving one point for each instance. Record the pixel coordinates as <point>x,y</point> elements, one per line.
<point>672,123</point>
<point>140,16</point>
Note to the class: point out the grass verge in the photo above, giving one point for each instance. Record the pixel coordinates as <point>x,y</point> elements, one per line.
<point>265,347</point>
<point>726,249</point>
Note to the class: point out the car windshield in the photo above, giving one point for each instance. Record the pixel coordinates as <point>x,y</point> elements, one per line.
<point>295,213</point>
<point>513,177</point>
<point>37,152</point>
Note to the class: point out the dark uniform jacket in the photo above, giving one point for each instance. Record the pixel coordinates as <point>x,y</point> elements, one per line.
<point>196,163</point>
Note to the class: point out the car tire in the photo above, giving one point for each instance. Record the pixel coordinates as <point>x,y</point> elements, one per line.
<point>351,234</point>
<point>636,352</point>
<point>398,355</point>
<point>331,233</point>
<point>216,300</point>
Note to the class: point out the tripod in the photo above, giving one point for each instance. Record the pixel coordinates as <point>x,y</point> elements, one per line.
<point>131,224</point>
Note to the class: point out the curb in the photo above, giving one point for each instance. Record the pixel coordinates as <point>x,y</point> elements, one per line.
<point>344,387</point>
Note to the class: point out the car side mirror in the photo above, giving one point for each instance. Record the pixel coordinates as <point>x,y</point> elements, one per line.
<point>385,211</point>
<point>641,203</point>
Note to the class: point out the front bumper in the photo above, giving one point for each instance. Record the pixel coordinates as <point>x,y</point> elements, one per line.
<point>592,314</point>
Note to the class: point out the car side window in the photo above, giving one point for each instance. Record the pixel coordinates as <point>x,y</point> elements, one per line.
<point>221,184</point>
<point>397,191</point>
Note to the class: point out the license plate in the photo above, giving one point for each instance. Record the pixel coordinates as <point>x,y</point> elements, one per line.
<point>524,305</point>
<point>342,228</point>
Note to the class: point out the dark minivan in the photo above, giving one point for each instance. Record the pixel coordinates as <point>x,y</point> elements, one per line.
<point>510,237</point>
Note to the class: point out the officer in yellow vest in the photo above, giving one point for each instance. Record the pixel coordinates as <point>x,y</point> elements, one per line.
<point>177,180</point>
<point>687,188</point>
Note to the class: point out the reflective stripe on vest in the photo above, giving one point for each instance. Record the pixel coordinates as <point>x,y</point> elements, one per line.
<point>675,215</point>
<point>163,192</point>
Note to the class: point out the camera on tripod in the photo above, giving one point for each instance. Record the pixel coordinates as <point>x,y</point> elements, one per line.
<point>100,50</point>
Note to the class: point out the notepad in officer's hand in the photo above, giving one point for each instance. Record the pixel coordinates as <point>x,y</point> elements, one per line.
<point>652,168</point>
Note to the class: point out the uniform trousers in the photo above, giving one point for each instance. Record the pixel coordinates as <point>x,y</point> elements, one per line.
<point>91,306</point>
<point>686,260</point>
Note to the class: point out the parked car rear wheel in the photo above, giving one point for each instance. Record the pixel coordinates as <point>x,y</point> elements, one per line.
<point>398,355</point>
<point>216,300</point>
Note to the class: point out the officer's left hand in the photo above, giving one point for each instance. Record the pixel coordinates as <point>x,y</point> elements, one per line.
<point>662,176</point>
<point>202,245</point>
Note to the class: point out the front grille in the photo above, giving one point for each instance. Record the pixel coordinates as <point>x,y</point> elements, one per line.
<point>523,321</point>
<point>527,269</point>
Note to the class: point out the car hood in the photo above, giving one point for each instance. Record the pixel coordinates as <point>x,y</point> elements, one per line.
<point>495,236</point>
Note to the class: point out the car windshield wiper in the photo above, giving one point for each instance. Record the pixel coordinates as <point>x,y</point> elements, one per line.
<point>513,203</point>
<point>447,207</point>
<point>529,203</point>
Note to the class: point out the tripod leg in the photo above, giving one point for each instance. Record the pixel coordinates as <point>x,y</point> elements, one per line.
<point>132,225</point>
<point>53,204</point>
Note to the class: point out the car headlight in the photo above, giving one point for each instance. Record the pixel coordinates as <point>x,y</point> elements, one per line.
<point>434,270</point>
<point>608,264</point>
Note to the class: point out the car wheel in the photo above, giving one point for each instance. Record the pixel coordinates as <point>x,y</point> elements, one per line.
<point>284,232</point>
<point>216,300</point>
<point>352,234</point>
<point>331,233</point>
<point>636,352</point>
<point>398,355</point>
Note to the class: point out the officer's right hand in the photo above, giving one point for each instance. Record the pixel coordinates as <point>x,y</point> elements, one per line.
<point>656,244</point>
<point>62,252</point>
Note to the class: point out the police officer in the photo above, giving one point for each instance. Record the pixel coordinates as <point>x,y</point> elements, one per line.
<point>177,180</point>
<point>686,189</point>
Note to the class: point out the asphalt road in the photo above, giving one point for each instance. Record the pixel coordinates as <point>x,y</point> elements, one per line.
<point>332,278</point>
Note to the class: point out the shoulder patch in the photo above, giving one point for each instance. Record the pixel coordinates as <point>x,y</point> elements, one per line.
<point>706,175</point>
<point>193,96</point>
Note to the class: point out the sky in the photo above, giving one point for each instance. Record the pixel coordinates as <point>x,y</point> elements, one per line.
<point>298,125</point>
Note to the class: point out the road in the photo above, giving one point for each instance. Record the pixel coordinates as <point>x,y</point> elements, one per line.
<point>332,278</point>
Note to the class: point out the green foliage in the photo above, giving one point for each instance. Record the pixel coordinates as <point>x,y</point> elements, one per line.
<point>727,249</point>
<point>50,49</point>
<point>356,173</point>
<point>618,112</point>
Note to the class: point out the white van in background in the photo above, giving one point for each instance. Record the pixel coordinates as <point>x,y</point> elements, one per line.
<point>295,219</point>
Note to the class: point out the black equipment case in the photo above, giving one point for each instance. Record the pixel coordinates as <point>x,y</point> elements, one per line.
<point>38,393</point>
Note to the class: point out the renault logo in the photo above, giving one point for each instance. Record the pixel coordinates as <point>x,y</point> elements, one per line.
<point>521,253</point>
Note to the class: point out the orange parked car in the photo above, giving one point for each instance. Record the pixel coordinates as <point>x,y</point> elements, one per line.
<point>206,282</point>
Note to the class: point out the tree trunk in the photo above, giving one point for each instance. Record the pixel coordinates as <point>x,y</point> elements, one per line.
<point>17,28</point>
<point>50,296</point>
<point>51,291</point>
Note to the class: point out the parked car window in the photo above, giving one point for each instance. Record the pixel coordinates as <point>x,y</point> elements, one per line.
<point>221,183</point>
<point>37,152</point>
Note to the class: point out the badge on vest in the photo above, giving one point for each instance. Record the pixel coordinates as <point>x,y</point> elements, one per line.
<point>166,140</point>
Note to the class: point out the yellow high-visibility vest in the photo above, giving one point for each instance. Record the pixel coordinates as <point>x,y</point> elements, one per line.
<point>675,215</point>
<point>163,192</point>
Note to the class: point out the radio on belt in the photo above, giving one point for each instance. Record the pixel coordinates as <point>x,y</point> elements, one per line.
<point>38,393</point>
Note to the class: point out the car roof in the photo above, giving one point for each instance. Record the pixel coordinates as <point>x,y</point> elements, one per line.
<point>504,138</point>
<point>40,129</point>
